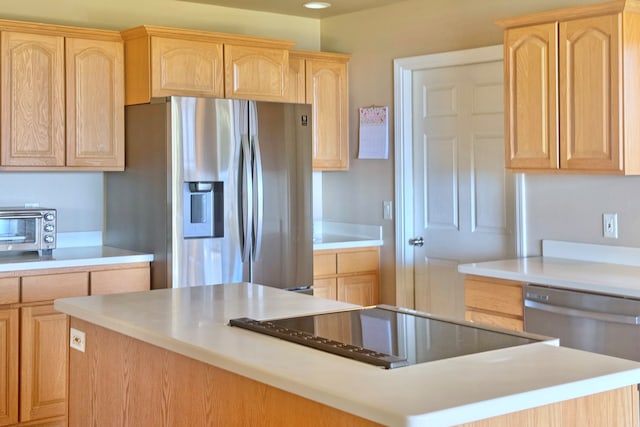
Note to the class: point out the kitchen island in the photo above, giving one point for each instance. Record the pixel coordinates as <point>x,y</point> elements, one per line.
<point>168,357</point>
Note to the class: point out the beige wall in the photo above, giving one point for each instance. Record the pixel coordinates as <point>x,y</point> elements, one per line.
<point>410,28</point>
<point>121,14</point>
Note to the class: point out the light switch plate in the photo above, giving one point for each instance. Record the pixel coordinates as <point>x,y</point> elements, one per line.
<point>610,225</point>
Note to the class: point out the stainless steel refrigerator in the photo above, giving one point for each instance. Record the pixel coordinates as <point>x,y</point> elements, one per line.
<point>219,190</point>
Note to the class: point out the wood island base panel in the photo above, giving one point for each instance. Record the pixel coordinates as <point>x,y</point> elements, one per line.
<point>120,380</point>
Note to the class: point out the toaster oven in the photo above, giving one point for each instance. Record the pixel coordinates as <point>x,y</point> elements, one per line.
<point>28,230</point>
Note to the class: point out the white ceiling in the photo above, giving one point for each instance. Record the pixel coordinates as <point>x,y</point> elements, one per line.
<point>294,7</point>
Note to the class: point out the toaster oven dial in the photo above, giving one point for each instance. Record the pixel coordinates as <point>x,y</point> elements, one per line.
<point>48,239</point>
<point>48,217</point>
<point>48,228</point>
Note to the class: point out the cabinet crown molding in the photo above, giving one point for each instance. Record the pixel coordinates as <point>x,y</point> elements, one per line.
<point>201,35</point>
<point>568,13</point>
<point>59,30</point>
<point>320,56</point>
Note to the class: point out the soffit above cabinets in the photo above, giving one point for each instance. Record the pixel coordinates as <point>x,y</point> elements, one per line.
<point>295,7</point>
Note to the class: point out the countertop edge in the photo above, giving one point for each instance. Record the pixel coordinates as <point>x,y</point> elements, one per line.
<point>567,273</point>
<point>348,244</point>
<point>94,256</point>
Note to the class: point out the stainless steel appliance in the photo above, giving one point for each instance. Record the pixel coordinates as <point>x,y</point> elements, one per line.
<point>28,230</point>
<point>598,323</point>
<point>387,336</point>
<point>218,189</point>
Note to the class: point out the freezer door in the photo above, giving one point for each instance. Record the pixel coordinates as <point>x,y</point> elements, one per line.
<point>280,137</point>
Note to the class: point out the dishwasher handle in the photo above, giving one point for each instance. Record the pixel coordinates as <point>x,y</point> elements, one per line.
<point>574,312</point>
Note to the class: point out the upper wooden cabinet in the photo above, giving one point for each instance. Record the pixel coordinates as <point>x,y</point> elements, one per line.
<point>62,98</point>
<point>326,89</point>
<point>258,73</point>
<point>95,103</point>
<point>571,90</point>
<point>32,99</point>
<point>163,61</point>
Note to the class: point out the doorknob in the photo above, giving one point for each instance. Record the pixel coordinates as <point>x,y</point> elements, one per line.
<point>416,241</point>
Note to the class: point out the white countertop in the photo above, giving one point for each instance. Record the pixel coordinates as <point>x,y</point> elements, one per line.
<point>338,235</point>
<point>72,257</point>
<point>570,266</point>
<point>193,322</point>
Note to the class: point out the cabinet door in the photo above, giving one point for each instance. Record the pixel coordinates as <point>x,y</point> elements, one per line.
<point>32,100</point>
<point>9,343</point>
<point>361,289</point>
<point>325,288</point>
<point>95,104</point>
<point>255,72</point>
<point>531,131</point>
<point>590,94</point>
<point>185,67</point>
<point>43,363</point>
<point>326,90</point>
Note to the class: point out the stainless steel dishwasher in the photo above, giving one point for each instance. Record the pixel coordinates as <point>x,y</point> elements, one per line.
<point>594,322</point>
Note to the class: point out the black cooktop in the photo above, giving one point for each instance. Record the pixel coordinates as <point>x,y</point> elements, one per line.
<point>387,336</point>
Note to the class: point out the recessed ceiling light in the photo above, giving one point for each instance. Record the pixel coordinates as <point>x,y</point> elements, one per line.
<point>317,5</point>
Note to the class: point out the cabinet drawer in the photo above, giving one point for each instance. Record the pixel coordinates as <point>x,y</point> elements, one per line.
<point>494,320</point>
<point>354,262</point>
<point>51,286</point>
<point>118,281</point>
<point>498,297</point>
<point>9,290</point>
<point>324,263</point>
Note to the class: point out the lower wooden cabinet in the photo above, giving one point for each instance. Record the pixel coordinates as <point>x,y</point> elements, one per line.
<point>43,363</point>
<point>494,302</point>
<point>34,338</point>
<point>349,275</point>
<point>9,353</point>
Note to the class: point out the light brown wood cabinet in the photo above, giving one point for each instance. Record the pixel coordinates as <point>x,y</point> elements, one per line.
<point>33,104</point>
<point>34,350</point>
<point>326,89</point>
<point>257,73</point>
<point>95,103</point>
<point>9,354</point>
<point>62,98</point>
<point>163,61</point>
<point>349,275</point>
<point>571,90</point>
<point>494,302</point>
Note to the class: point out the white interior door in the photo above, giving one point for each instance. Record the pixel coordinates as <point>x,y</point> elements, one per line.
<point>462,202</point>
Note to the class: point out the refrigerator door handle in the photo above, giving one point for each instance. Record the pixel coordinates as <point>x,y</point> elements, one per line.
<point>258,197</point>
<point>245,199</point>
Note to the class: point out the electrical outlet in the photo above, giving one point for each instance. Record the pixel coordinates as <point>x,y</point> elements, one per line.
<point>610,225</point>
<point>77,339</point>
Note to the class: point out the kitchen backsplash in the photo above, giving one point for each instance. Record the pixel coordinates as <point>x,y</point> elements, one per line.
<point>78,196</point>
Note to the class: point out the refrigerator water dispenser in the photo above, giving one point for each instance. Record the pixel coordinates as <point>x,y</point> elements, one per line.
<point>203,209</point>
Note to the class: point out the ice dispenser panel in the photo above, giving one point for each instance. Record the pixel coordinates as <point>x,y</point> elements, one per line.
<point>203,209</point>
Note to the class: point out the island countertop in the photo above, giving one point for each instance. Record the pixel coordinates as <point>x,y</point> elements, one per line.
<point>194,322</point>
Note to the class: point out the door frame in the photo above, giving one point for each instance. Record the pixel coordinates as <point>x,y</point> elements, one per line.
<point>403,69</point>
